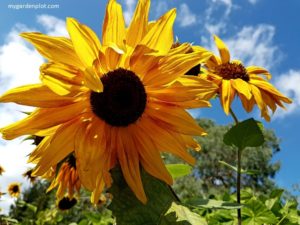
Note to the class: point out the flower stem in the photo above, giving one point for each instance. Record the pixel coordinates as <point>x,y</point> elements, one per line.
<point>238,179</point>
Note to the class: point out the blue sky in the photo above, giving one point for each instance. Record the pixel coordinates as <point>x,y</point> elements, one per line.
<point>259,32</point>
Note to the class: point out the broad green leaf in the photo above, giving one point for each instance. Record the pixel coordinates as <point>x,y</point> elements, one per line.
<point>245,134</point>
<point>273,202</point>
<point>256,213</point>
<point>213,204</point>
<point>222,217</point>
<point>181,215</point>
<point>159,210</point>
<point>178,170</point>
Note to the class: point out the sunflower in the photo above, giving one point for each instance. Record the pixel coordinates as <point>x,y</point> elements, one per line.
<point>14,190</point>
<point>234,79</point>
<point>1,170</point>
<point>67,179</point>
<point>120,101</point>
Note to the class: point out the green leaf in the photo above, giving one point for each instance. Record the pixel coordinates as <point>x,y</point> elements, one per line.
<point>181,215</point>
<point>178,170</point>
<point>273,202</point>
<point>213,204</point>
<point>256,213</point>
<point>245,134</point>
<point>159,210</point>
<point>224,217</point>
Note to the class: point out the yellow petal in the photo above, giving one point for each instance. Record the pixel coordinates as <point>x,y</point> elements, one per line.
<point>43,119</point>
<point>139,23</point>
<point>150,157</point>
<point>173,66</point>
<point>100,184</point>
<point>113,30</point>
<point>166,140</point>
<point>142,60</point>
<point>89,151</point>
<point>247,103</point>
<point>55,49</point>
<point>227,95</point>
<point>223,50</point>
<point>62,79</point>
<point>174,118</point>
<point>113,56</point>
<point>37,95</point>
<point>129,160</point>
<point>182,92</point>
<point>85,41</point>
<point>269,88</point>
<point>260,102</point>
<point>160,36</point>
<point>242,87</point>
<point>269,100</point>
<point>92,79</point>
<point>258,70</point>
<point>62,144</point>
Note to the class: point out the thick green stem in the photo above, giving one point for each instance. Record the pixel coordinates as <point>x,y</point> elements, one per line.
<point>238,185</point>
<point>238,179</point>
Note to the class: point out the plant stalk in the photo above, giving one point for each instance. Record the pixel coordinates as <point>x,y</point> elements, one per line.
<point>238,179</point>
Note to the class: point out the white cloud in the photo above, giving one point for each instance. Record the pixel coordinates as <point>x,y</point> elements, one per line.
<point>161,8</point>
<point>128,12</point>
<point>215,28</point>
<point>185,16</point>
<point>19,65</point>
<point>288,84</point>
<point>216,15</point>
<point>254,46</point>
<point>53,25</point>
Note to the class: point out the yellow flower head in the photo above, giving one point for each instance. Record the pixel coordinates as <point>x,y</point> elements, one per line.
<point>236,80</point>
<point>67,179</point>
<point>1,170</point>
<point>120,101</point>
<point>14,190</point>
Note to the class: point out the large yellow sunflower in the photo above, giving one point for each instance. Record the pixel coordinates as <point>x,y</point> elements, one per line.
<point>14,189</point>
<point>122,101</point>
<point>234,79</point>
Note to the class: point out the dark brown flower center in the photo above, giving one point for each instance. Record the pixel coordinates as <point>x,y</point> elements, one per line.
<point>72,161</point>
<point>66,203</point>
<point>123,99</point>
<point>15,189</point>
<point>232,71</point>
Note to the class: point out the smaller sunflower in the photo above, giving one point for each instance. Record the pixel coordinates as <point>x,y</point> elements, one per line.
<point>29,175</point>
<point>1,170</point>
<point>67,179</point>
<point>14,189</point>
<point>234,79</point>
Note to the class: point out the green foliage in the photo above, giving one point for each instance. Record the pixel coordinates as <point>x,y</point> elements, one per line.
<point>162,207</point>
<point>178,170</point>
<point>36,207</point>
<point>210,177</point>
<point>256,210</point>
<point>244,134</point>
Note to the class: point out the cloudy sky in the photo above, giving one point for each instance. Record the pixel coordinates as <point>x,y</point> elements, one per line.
<point>259,32</point>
